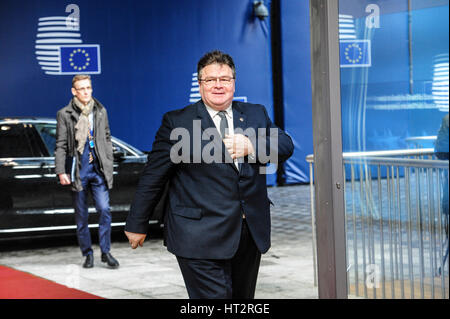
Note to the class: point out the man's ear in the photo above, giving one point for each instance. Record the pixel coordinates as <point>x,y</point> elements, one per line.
<point>74,92</point>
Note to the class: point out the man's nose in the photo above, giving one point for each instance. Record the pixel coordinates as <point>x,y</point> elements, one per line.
<point>218,83</point>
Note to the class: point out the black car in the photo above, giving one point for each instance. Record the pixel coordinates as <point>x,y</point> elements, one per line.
<point>32,202</point>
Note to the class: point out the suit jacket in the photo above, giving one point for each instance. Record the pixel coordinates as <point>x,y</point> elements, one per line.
<point>206,200</point>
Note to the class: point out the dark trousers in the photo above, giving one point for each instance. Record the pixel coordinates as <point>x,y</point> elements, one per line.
<point>224,279</point>
<point>93,181</point>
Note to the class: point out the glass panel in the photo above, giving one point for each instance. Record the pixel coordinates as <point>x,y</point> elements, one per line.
<point>48,135</point>
<point>394,97</point>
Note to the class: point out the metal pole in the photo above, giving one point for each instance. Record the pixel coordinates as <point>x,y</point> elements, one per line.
<point>380,207</point>
<point>313,221</point>
<point>345,224</point>
<point>327,137</point>
<point>391,261</point>
<point>363,226</point>
<point>355,234</point>
<point>394,213</point>
<point>400,228</point>
<point>370,223</point>
<point>430,198</point>
<point>410,252</point>
<point>419,230</point>
<point>441,239</point>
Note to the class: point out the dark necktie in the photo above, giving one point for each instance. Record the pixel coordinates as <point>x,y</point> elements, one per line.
<point>223,123</point>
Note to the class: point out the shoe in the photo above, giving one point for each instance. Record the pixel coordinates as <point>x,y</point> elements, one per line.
<point>89,262</point>
<point>110,260</point>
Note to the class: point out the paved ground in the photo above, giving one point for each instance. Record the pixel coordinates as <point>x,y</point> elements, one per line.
<point>286,270</point>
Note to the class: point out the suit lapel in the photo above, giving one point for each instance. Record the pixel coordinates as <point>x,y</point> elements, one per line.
<point>239,117</point>
<point>203,115</point>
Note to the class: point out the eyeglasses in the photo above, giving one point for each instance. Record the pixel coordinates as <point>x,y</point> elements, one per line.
<point>88,88</point>
<point>225,81</point>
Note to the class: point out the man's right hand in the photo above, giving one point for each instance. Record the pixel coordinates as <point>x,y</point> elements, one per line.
<point>135,239</point>
<point>64,179</point>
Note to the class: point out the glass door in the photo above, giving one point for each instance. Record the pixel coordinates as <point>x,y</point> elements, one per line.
<point>394,75</point>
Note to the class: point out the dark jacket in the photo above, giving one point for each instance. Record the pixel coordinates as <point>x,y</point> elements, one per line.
<point>66,145</point>
<point>206,200</point>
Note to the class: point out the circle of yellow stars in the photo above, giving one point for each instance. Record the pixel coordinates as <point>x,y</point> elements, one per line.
<point>358,54</point>
<point>84,54</point>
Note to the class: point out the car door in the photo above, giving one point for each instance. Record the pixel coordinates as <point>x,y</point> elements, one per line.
<point>128,165</point>
<point>62,211</point>
<point>25,195</point>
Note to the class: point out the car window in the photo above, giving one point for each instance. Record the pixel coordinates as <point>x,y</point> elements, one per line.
<point>15,141</point>
<point>48,135</point>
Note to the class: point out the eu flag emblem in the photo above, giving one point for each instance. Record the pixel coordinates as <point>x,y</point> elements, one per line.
<point>355,53</point>
<point>80,59</point>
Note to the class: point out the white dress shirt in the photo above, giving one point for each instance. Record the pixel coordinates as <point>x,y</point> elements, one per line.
<point>229,116</point>
<point>216,119</point>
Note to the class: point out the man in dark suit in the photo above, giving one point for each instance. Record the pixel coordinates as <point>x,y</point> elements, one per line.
<point>213,155</point>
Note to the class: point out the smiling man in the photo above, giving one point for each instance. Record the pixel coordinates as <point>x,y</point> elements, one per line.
<point>217,218</point>
<point>217,86</point>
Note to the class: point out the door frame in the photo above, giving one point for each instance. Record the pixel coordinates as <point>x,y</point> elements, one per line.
<point>327,138</point>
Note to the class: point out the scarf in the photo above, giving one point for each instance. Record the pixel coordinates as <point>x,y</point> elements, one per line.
<point>82,127</point>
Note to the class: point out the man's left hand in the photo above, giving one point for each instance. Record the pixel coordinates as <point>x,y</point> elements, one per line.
<point>238,145</point>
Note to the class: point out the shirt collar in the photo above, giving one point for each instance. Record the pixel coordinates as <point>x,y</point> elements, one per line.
<point>212,112</point>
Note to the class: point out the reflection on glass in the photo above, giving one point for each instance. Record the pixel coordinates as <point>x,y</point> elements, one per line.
<point>440,82</point>
<point>394,95</point>
<point>48,135</point>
